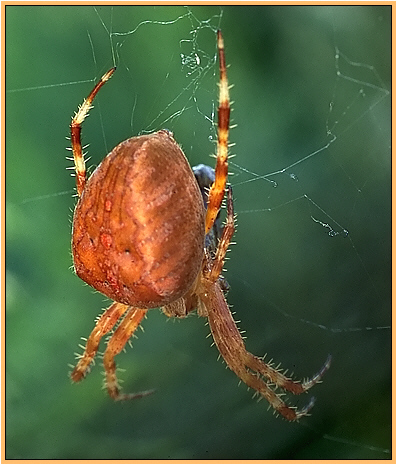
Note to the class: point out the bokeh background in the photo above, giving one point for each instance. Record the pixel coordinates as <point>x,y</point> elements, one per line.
<point>299,291</point>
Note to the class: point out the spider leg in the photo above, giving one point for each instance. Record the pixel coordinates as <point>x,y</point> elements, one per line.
<point>217,190</point>
<point>296,387</point>
<point>224,241</point>
<point>104,324</point>
<point>75,129</point>
<point>115,345</point>
<point>227,337</point>
<point>231,346</point>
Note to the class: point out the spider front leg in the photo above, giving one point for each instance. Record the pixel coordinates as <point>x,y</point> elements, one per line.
<point>227,337</point>
<point>115,345</point>
<point>104,325</point>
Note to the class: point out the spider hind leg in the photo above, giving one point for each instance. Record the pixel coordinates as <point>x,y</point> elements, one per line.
<point>75,130</point>
<point>217,189</point>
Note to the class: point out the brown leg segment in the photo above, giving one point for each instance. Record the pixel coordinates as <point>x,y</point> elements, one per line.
<point>75,129</point>
<point>282,381</point>
<point>115,345</point>
<point>227,337</point>
<point>246,366</point>
<point>105,324</point>
<point>217,190</point>
<point>224,241</point>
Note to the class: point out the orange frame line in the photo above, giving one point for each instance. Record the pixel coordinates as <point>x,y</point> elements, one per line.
<point>394,230</point>
<point>198,2</point>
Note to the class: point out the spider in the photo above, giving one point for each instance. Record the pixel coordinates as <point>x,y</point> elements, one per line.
<point>146,235</point>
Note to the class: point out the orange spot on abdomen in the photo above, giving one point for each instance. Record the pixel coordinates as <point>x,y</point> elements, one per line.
<point>106,240</point>
<point>108,205</point>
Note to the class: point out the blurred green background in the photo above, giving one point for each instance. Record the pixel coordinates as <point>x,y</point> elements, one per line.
<point>299,291</point>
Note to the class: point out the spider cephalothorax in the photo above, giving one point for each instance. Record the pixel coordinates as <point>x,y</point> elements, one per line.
<point>146,234</point>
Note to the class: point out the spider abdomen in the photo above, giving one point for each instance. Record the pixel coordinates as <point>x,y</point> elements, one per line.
<point>138,228</point>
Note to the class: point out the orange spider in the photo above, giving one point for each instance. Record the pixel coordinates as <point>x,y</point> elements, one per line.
<point>145,234</point>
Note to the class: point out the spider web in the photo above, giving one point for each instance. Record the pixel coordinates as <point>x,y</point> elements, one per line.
<point>311,181</point>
